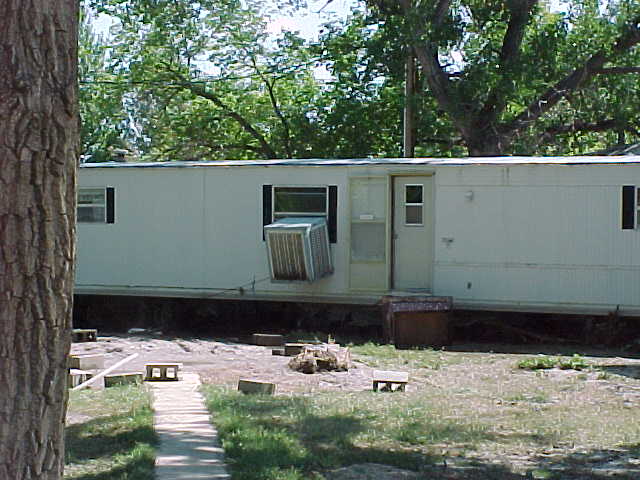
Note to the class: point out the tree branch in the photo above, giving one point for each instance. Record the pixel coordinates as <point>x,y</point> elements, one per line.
<point>440,13</point>
<point>435,75</point>
<point>276,108</point>
<point>265,148</point>
<point>617,70</point>
<point>579,126</point>
<point>520,14</point>
<point>574,80</point>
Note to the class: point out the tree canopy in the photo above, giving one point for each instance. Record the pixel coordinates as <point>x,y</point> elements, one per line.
<point>207,80</point>
<point>512,76</point>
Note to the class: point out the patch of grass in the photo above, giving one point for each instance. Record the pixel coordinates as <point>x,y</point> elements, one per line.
<point>539,397</point>
<point>277,438</point>
<point>383,356</point>
<point>469,408</point>
<point>543,362</point>
<point>116,439</point>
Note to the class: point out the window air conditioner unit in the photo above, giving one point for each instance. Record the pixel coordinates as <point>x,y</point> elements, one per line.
<point>298,249</point>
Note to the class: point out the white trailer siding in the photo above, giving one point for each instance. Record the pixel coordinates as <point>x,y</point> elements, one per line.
<point>528,234</point>
<point>198,231</point>
<point>537,237</point>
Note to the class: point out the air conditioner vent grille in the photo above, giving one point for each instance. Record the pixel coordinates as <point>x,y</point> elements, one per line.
<point>298,249</point>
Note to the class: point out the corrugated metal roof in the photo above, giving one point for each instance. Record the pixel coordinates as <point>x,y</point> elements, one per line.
<point>578,160</point>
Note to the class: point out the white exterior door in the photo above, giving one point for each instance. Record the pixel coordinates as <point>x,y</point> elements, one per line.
<point>412,233</point>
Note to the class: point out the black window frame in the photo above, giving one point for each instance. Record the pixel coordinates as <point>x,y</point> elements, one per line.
<point>109,206</point>
<point>332,207</point>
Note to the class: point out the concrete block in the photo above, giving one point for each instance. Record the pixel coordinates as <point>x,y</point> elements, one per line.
<point>76,377</point>
<point>267,340</point>
<point>162,371</point>
<point>86,361</point>
<point>293,349</point>
<point>85,335</point>
<point>390,379</point>
<point>253,386</point>
<point>126,378</point>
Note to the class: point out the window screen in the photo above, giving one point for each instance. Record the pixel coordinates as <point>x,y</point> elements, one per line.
<point>96,205</point>
<point>92,205</point>
<point>284,201</point>
<point>299,202</point>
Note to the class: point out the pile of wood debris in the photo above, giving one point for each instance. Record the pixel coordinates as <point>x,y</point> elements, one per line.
<point>325,357</point>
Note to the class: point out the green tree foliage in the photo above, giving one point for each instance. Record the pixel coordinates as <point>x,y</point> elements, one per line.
<point>363,106</point>
<point>104,121</point>
<point>512,76</point>
<point>209,82</point>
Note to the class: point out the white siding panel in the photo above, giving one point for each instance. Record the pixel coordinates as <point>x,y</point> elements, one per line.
<point>157,238</point>
<point>536,234</point>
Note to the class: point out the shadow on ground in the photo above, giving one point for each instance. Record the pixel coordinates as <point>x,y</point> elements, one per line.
<point>267,436</point>
<point>109,448</point>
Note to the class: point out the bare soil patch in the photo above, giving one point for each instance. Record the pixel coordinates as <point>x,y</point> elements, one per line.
<point>555,423</point>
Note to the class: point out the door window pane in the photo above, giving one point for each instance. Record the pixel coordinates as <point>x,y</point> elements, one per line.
<point>413,204</point>
<point>413,194</point>
<point>413,214</point>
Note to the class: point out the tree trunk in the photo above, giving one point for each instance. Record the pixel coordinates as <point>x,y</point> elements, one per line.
<point>485,143</point>
<point>38,156</point>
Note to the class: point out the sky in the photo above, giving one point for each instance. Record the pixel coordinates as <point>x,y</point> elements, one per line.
<point>307,21</point>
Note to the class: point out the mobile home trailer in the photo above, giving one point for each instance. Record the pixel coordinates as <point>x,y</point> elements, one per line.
<point>515,233</point>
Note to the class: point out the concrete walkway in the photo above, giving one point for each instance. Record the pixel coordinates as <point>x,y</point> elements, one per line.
<point>189,447</point>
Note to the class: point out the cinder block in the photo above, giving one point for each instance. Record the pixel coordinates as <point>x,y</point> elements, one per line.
<point>293,349</point>
<point>76,377</point>
<point>253,386</point>
<point>126,378</point>
<point>85,335</point>
<point>162,371</point>
<point>267,340</point>
<point>87,361</point>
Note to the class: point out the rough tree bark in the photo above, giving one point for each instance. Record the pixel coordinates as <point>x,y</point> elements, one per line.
<point>38,155</point>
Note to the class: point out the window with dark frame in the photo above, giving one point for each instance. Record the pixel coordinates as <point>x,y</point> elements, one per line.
<point>96,205</point>
<point>413,204</point>
<point>299,202</point>
<point>282,201</point>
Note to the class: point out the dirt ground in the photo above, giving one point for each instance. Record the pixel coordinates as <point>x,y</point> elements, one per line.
<point>220,362</point>
<point>480,391</point>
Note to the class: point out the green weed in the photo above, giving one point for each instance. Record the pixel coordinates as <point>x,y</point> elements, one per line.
<point>543,362</point>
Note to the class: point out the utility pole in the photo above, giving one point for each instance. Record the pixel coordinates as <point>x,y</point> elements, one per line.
<point>409,141</point>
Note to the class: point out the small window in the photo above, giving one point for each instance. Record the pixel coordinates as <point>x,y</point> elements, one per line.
<point>96,205</point>
<point>92,205</point>
<point>299,202</point>
<point>289,201</point>
<point>413,204</point>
